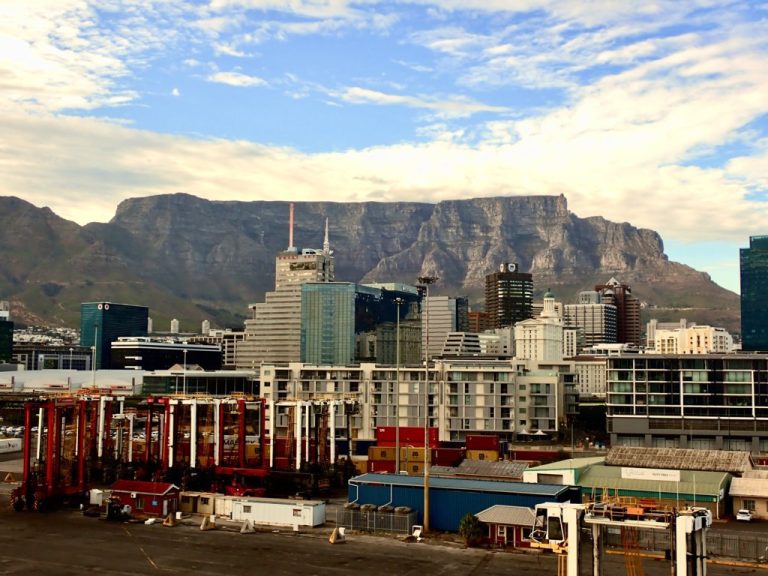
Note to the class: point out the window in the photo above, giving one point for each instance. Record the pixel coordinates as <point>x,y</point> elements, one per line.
<point>246,509</point>
<point>502,531</point>
<point>139,503</point>
<point>749,505</point>
<point>205,501</point>
<point>297,512</point>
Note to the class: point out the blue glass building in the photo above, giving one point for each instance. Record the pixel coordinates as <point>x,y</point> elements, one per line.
<point>6,341</point>
<point>101,323</point>
<point>754,294</point>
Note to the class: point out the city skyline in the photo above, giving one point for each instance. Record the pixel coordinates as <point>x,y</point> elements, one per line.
<point>651,114</point>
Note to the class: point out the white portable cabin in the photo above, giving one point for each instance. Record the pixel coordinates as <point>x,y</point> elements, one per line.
<point>279,512</point>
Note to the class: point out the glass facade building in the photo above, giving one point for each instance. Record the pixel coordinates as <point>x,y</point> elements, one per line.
<point>335,314</point>
<point>754,291</point>
<point>6,341</point>
<point>102,323</point>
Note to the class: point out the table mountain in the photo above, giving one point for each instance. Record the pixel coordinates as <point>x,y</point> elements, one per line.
<point>193,259</point>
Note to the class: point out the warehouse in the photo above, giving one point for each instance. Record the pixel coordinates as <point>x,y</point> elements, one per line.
<point>452,498</point>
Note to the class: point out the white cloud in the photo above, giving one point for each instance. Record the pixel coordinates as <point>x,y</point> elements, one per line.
<point>175,92</point>
<point>236,79</point>
<point>449,107</point>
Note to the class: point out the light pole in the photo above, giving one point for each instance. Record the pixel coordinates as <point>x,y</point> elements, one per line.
<point>95,352</point>
<point>184,378</point>
<point>426,281</point>
<point>70,358</point>
<point>398,302</point>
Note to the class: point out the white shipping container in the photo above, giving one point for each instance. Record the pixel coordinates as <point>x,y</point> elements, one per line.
<point>279,512</point>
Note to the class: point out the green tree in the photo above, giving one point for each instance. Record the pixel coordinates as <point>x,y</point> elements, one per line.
<point>471,529</point>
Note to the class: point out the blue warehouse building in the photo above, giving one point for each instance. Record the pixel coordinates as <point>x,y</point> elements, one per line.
<point>450,499</point>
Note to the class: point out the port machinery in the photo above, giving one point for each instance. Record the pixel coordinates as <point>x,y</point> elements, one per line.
<point>198,442</point>
<point>558,527</point>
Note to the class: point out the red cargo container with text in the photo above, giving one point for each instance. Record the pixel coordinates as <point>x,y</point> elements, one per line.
<point>409,436</point>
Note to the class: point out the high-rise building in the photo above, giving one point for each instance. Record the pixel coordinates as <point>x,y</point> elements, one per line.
<point>447,314</point>
<point>174,326</point>
<point>342,322</point>
<point>273,333</point>
<point>627,310</point>
<point>754,287</point>
<point>6,341</point>
<point>540,339</point>
<point>102,323</point>
<point>508,296</point>
<point>596,320</point>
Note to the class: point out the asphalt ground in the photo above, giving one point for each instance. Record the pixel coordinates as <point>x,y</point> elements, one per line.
<point>67,543</point>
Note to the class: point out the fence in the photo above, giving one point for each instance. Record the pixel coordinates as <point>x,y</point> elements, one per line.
<point>375,521</point>
<point>743,546</point>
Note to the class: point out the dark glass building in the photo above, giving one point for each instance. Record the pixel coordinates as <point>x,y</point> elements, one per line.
<point>508,296</point>
<point>6,341</point>
<point>102,323</point>
<point>754,294</point>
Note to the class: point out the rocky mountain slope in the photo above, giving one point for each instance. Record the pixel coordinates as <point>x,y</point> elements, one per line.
<point>194,259</point>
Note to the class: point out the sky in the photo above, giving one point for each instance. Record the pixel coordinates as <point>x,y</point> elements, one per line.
<point>653,113</point>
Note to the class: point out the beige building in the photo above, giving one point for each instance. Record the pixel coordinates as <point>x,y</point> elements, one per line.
<point>751,493</point>
<point>693,340</point>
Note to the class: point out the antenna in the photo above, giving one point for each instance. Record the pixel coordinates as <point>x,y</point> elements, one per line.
<point>290,227</point>
<point>326,241</point>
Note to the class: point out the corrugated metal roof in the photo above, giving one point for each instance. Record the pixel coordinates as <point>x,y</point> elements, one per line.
<point>502,469</point>
<point>509,515</point>
<point>755,487</point>
<point>141,487</point>
<point>691,482</point>
<point>461,484</point>
<point>681,459</point>
<point>569,464</point>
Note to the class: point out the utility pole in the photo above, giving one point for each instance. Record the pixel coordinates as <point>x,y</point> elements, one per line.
<point>426,281</point>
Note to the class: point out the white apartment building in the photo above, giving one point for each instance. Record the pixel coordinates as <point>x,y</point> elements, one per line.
<point>598,321</point>
<point>693,340</point>
<point>465,396</point>
<point>445,315</point>
<point>591,375</point>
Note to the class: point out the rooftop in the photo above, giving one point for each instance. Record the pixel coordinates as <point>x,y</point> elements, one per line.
<point>736,462</point>
<point>550,490</point>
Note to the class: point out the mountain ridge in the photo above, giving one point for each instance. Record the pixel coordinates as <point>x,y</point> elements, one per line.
<point>195,259</point>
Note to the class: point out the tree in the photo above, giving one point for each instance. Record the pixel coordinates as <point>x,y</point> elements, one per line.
<point>471,530</point>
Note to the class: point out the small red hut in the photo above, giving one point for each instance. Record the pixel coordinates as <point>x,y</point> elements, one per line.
<point>147,498</point>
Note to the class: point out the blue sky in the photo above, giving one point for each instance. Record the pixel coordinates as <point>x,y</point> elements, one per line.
<point>653,113</point>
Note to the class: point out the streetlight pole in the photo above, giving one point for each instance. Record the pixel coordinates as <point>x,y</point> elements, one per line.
<point>70,358</point>
<point>184,378</point>
<point>426,281</point>
<point>398,302</point>
<point>95,352</point>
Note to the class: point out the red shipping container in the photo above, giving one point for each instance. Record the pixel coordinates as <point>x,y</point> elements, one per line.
<point>282,464</point>
<point>448,456</point>
<point>409,435</point>
<point>381,466</point>
<point>484,442</point>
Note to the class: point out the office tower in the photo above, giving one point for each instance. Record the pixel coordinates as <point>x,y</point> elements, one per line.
<point>273,333</point>
<point>6,341</point>
<point>6,333</point>
<point>101,323</point>
<point>447,314</point>
<point>627,310</point>
<point>508,296</point>
<point>149,326</point>
<point>174,326</point>
<point>596,319</point>
<point>478,321</point>
<point>344,323</point>
<point>754,287</point>
<point>205,327</point>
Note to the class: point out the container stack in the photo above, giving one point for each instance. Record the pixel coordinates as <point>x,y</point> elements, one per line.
<point>482,447</point>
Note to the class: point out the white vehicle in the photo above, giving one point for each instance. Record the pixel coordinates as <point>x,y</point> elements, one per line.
<point>744,515</point>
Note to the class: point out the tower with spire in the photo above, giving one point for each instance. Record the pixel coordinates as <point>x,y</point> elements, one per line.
<point>273,333</point>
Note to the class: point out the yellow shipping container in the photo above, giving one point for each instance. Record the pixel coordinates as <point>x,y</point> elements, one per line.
<point>412,454</point>
<point>381,453</point>
<point>491,455</point>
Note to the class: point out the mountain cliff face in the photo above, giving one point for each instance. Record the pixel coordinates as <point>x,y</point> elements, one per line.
<point>193,259</point>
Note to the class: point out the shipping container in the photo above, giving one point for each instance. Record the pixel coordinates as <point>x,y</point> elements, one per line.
<point>482,442</point>
<point>382,453</point>
<point>382,466</point>
<point>413,435</point>
<point>490,455</point>
<point>448,456</point>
